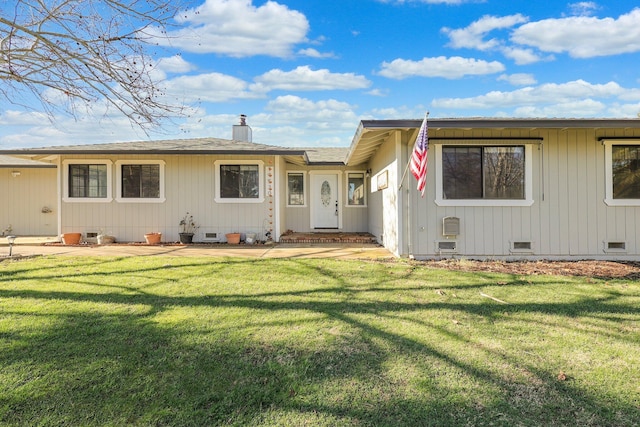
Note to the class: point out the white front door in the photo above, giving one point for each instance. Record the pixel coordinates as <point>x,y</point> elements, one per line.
<point>325,207</point>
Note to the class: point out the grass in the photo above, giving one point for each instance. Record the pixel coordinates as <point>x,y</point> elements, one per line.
<point>194,341</point>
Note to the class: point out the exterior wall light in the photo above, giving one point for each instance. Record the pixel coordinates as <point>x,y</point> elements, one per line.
<point>11,239</point>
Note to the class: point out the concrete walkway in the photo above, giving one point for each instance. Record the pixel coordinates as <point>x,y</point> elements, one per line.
<point>25,246</point>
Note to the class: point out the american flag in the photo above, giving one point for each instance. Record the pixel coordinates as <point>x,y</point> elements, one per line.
<point>419,156</point>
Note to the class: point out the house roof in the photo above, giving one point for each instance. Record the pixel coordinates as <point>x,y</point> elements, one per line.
<point>17,162</point>
<point>173,146</point>
<point>370,134</point>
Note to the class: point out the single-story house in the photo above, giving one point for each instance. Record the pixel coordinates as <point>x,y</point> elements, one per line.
<point>496,188</point>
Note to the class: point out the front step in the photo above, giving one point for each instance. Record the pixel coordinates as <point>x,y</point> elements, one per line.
<point>365,238</point>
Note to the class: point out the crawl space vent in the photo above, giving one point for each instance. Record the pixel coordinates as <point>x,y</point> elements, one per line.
<point>446,246</point>
<point>210,236</point>
<point>521,246</point>
<point>616,246</point>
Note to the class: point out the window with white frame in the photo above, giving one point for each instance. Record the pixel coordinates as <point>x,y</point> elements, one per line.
<point>87,181</point>
<point>622,162</point>
<point>356,194</point>
<point>239,181</point>
<point>483,175</point>
<point>140,181</point>
<point>295,189</point>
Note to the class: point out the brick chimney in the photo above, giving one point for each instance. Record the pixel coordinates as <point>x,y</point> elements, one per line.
<point>242,132</point>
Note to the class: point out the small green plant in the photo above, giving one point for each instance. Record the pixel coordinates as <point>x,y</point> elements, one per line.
<point>188,225</point>
<point>7,230</point>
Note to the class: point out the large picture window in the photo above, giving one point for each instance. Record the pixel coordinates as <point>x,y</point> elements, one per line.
<point>483,175</point>
<point>87,181</point>
<point>483,172</point>
<point>622,178</point>
<point>140,181</point>
<point>239,182</point>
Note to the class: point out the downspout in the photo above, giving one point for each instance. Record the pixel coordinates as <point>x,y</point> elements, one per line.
<point>406,230</point>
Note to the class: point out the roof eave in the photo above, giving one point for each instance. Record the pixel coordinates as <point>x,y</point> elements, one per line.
<point>153,152</point>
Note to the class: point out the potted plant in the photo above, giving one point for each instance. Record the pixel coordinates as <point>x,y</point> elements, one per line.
<point>188,228</point>
<point>233,238</point>
<point>153,238</point>
<point>71,238</point>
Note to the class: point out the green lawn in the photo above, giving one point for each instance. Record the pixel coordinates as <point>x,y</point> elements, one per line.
<point>194,341</point>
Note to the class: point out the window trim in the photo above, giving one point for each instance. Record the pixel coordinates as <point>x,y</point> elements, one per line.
<point>346,189</point>
<point>261,181</point>
<point>304,189</point>
<point>608,177</point>
<point>120,199</point>
<point>65,172</point>
<point>528,177</point>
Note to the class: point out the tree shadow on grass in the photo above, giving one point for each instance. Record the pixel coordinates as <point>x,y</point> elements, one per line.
<point>96,365</point>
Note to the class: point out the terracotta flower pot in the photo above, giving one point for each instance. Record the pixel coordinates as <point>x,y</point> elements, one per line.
<point>233,238</point>
<point>71,238</point>
<point>153,238</point>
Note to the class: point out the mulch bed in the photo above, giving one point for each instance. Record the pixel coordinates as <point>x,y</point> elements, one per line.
<point>597,269</point>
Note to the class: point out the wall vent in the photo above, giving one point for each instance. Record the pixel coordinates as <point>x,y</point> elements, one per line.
<point>521,246</point>
<point>450,226</point>
<point>446,246</point>
<point>615,246</point>
<point>210,236</point>
<point>92,234</point>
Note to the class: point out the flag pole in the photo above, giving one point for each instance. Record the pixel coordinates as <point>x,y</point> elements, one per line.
<point>404,174</point>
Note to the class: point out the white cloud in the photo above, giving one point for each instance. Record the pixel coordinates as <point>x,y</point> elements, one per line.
<point>313,53</point>
<point>237,28</point>
<point>625,110</point>
<point>579,108</point>
<point>522,56</point>
<point>211,87</point>
<point>473,36</point>
<point>174,64</point>
<point>545,94</point>
<point>453,2</point>
<point>377,92</point>
<point>304,78</point>
<point>402,112</point>
<point>518,79</point>
<point>583,8</point>
<point>449,68</point>
<point>22,118</point>
<point>582,36</point>
<point>290,108</point>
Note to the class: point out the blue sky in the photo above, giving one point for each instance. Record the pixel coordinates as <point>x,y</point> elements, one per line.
<point>305,72</point>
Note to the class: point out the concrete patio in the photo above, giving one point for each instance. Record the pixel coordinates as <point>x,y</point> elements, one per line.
<point>32,246</point>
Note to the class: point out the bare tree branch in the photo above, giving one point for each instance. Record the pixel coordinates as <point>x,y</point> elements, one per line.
<point>70,52</point>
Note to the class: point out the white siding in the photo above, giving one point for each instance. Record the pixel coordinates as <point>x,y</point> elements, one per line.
<point>568,218</point>
<point>22,199</point>
<point>189,187</point>
<point>385,205</point>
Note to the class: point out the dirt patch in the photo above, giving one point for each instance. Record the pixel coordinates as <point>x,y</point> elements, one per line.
<point>596,269</point>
